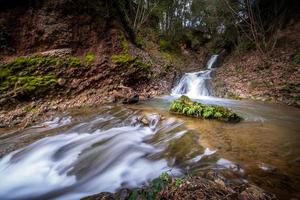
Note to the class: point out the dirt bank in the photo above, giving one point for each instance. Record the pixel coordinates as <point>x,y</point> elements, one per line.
<point>59,54</point>
<point>276,79</point>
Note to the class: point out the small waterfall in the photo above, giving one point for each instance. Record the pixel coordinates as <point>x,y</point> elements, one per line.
<point>211,61</point>
<point>196,84</point>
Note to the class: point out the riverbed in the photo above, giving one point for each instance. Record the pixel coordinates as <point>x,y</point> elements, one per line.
<point>102,149</point>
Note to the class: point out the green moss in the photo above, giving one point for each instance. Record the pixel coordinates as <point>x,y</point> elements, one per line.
<point>122,58</point>
<point>140,64</point>
<point>74,61</point>
<point>124,43</point>
<point>29,64</point>
<point>4,73</point>
<point>32,83</point>
<point>185,106</point>
<point>130,62</point>
<point>26,74</point>
<point>89,57</point>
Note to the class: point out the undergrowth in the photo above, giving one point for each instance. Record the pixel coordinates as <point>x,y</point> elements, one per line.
<point>155,187</point>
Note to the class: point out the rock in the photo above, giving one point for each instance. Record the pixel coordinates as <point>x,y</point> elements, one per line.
<point>57,52</point>
<point>145,121</point>
<point>101,196</point>
<point>253,192</point>
<point>126,95</point>
<point>61,81</point>
<point>142,98</point>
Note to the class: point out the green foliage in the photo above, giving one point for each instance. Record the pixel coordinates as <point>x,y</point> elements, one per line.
<point>296,58</point>
<point>153,189</point>
<point>166,45</point>
<point>178,182</point>
<point>187,107</point>
<point>4,73</point>
<point>89,57</point>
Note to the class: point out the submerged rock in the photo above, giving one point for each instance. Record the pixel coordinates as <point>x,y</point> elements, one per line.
<point>185,106</point>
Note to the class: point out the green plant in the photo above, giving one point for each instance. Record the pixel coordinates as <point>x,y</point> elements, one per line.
<point>178,182</point>
<point>153,189</point>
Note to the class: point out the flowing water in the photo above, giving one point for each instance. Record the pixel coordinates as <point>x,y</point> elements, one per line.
<point>103,149</point>
<point>196,84</point>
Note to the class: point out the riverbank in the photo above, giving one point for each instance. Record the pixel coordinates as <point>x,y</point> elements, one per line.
<point>275,78</point>
<point>213,186</point>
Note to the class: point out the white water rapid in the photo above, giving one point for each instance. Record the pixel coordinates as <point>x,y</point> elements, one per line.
<point>196,84</point>
<point>111,151</point>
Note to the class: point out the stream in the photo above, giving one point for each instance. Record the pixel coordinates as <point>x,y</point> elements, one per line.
<point>103,149</point>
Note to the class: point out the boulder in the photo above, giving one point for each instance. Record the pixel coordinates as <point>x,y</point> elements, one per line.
<point>126,95</point>
<point>57,52</point>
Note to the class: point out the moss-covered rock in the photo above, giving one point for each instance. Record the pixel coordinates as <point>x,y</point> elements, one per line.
<point>185,106</point>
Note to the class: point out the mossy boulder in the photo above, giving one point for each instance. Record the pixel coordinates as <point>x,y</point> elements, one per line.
<point>185,106</point>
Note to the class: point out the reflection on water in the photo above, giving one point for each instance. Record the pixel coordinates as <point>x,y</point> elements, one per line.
<point>104,149</point>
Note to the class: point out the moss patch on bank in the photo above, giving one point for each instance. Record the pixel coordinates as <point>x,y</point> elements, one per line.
<point>130,62</point>
<point>28,75</point>
<point>185,106</point>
